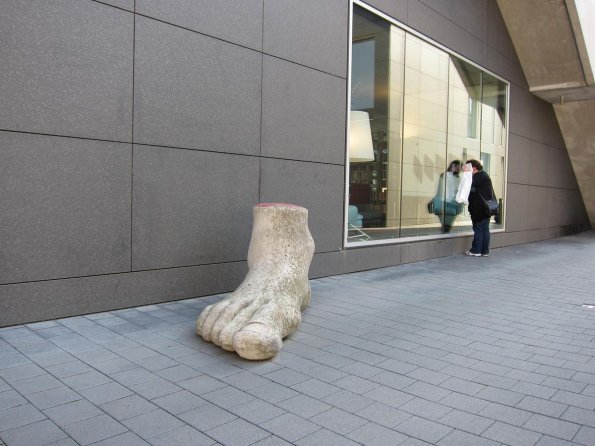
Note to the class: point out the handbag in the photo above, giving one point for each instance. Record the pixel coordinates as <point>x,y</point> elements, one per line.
<point>491,205</point>
<point>439,206</point>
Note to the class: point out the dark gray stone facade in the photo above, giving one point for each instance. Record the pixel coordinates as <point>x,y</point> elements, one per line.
<point>135,137</point>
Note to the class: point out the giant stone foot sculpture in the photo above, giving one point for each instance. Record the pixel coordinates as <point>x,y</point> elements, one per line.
<point>267,305</point>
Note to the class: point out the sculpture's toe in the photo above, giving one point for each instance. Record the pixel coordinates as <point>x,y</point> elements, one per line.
<point>257,341</point>
<point>200,322</point>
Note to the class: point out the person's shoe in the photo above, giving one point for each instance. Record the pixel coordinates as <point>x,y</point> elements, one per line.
<point>485,255</point>
<point>474,254</point>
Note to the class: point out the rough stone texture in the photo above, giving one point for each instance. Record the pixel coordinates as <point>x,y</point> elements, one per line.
<point>267,305</point>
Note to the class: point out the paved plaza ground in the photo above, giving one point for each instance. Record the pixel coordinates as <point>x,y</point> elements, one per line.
<point>454,351</point>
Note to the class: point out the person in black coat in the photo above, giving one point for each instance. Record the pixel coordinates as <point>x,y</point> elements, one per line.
<point>481,190</point>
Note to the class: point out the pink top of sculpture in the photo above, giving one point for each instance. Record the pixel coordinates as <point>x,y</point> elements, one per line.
<point>284,205</point>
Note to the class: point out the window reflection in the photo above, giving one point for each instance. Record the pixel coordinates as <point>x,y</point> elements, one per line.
<point>428,112</point>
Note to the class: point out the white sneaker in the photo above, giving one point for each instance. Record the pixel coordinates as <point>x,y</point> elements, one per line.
<point>473,254</point>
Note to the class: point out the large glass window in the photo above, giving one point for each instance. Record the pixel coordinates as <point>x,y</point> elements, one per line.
<point>417,112</point>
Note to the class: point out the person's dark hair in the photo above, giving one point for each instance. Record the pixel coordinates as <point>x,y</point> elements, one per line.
<point>476,164</point>
<point>453,164</point>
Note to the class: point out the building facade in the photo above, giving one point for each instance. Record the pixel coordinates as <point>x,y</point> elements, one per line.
<point>137,135</point>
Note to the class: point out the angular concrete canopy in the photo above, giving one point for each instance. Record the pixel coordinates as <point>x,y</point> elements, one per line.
<point>549,37</point>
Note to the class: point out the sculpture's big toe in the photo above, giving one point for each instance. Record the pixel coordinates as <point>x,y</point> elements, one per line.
<point>257,341</point>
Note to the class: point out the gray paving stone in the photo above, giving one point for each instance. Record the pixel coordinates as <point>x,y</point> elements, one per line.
<point>324,437</point>
<point>414,442</point>
<point>49,359</point>
<point>339,421</point>
<point>464,402</point>
<point>397,366</point>
<point>94,429</point>
<point>286,377</point>
<point>113,366</point>
<point>133,376</point>
<point>125,439</point>
<point>201,384</point>
<point>155,389</point>
<point>36,384</point>
<point>152,423</point>
<point>501,382</point>
<point>304,406</point>
<point>218,369</point>
<point>34,434</point>
<point>290,427</point>
<point>325,373</point>
<point>384,415</point>
<point>533,390</point>
<point>179,402</point>
<point>426,409</point>
<point>551,441</point>
<point>314,388</point>
<point>227,397</point>
<point>98,355</point>
<point>182,436</point>
<point>155,363</point>
<point>177,351</point>
<point>42,325</point>
<point>128,407</point>
<point>19,416</point>
<point>74,343</point>
<point>389,396</point>
<point>460,438</point>
<point>178,373</point>
<point>53,397</point>
<point>556,372</point>
<point>362,370</point>
<point>423,429</point>
<point>68,369</point>
<point>573,399</point>
<point>273,440</point>
<point>11,398</point>
<point>206,417</point>
<point>72,412</point>
<point>502,396</point>
<point>258,411</point>
<point>41,348</point>
<point>391,379</point>
<point>376,435</point>
<point>585,436</point>
<point>552,426</point>
<point>589,390</point>
<point>105,393</point>
<point>86,380</point>
<point>506,414</point>
<point>467,422</point>
<point>541,406</point>
<point>21,372</point>
<point>579,416</point>
<point>237,433</point>
<point>197,360</point>
<point>64,442</point>
<point>355,384</point>
<point>462,386</point>
<point>460,372</point>
<point>428,376</point>
<point>530,377</point>
<point>511,435</point>
<point>245,380</point>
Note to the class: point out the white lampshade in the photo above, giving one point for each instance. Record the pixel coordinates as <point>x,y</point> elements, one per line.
<point>360,138</point>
